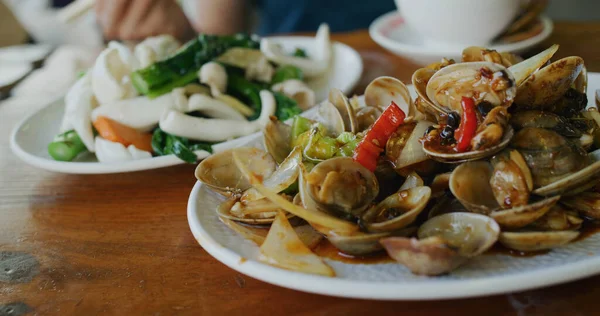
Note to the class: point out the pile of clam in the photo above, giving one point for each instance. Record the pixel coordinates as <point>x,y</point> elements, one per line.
<point>526,181</point>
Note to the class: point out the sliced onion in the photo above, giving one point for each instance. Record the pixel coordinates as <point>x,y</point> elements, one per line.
<point>282,248</point>
<point>412,152</point>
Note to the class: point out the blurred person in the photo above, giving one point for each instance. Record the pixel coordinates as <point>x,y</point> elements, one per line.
<point>138,19</point>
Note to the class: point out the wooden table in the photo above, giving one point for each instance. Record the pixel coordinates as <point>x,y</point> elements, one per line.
<point>120,244</point>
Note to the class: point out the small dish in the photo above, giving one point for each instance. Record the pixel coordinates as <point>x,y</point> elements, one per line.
<point>391,32</point>
<point>30,138</point>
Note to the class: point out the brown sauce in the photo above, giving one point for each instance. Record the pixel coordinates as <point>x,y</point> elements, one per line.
<point>588,228</point>
<point>326,250</point>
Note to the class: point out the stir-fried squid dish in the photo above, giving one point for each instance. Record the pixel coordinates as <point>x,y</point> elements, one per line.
<point>494,149</point>
<point>159,98</point>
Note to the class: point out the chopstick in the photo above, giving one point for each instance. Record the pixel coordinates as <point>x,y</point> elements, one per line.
<point>74,10</point>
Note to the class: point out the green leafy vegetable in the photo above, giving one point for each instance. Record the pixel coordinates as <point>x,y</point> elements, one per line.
<point>66,146</point>
<point>286,107</point>
<point>248,92</point>
<point>299,52</point>
<point>180,69</point>
<point>166,144</point>
<point>286,72</point>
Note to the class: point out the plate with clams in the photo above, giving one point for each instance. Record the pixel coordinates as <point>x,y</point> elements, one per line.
<point>485,181</point>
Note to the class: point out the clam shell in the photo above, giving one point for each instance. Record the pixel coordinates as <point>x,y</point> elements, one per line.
<point>419,79</point>
<point>331,118</point>
<point>340,101</point>
<point>470,175</point>
<point>364,244</point>
<point>471,234</point>
<point>473,154</point>
<point>319,174</point>
<point>586,203</point>
<point>277,138</point>
<point>220,173</point>
<point>438,85</point>
<point>430,256</point>
<point>535,241</point>
<point>382,91</point>
<point>269,212</point>
<point>411,202</point>
<point>524,69</point>
<point>550,83</point>
<point>521,216</point>
<point>571,182</point>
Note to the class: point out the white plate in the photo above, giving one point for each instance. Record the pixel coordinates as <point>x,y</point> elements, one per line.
<point>393,34</point>
<point>484,275</point>
<point>30,138</point>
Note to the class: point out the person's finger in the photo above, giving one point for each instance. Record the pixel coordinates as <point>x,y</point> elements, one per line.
<point>113,12</point>
<point>137,13</point>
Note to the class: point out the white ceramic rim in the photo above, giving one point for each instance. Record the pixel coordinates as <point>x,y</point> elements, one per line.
<point>380,38</point>
<point>154,162</point>
<point>435,290</point>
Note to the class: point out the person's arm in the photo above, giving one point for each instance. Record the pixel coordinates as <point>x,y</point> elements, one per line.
<point>222,16</point>
<point>138,19</point>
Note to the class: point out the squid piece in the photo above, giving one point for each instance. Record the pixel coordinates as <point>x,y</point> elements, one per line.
<point>313,67</point>
<point>79,103</point>
<point>154,49</point>
<point>141,113</point>
<point>216,130</point>
<point>297,90</point>
<point>107,151</point>
<point>110,75</point>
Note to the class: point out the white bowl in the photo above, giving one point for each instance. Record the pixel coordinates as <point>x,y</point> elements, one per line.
<point>391,32</point>
<point>458,22</point>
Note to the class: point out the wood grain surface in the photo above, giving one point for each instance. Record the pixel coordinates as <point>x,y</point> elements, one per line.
<point>120,244</point>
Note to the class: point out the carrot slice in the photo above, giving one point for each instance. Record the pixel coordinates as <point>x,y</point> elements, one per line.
<point>116,132</point>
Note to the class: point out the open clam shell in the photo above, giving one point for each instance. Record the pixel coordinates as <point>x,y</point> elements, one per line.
<point>471,234</point>
<point>331,118</point>
<point>277,139</point>
<point>574,182</point>
<point>470,184</point>
<point>470,155</point>
<point>256,212</point>
<point>419,79</point>
<point>445,242</point>
<point>522,216</point>
<point>535,241</point>
<point>361,244</point>
<point>430,256</point>
<point>397,210</point>
<point>382,91</point>
<point>550,83</point>
<point>339,186</point>
<point>220,173</point>
<point>558,218</point>
<point>448,85</point>
<point>523,70</point>
<point>586,203</point>
<point>340,101</point>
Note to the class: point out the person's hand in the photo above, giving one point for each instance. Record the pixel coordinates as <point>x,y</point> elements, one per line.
<point>138,19</point>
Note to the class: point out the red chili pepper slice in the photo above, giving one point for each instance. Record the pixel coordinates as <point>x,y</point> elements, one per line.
<point>369,149</point>
<point>468,125</point>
